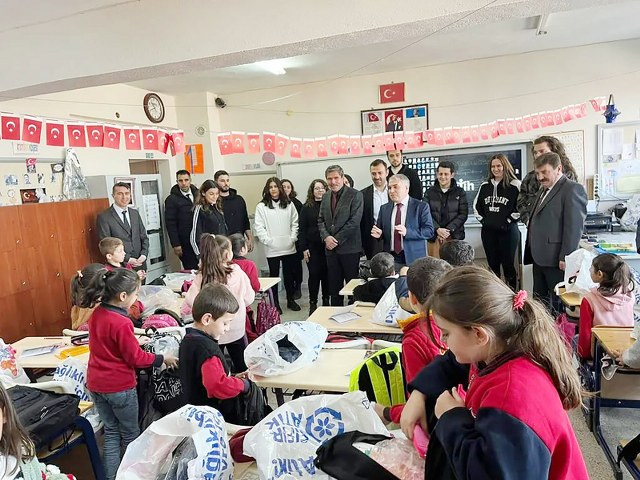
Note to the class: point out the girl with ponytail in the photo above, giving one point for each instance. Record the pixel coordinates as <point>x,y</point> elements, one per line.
<point>512,421</point>
<point>610,303</point>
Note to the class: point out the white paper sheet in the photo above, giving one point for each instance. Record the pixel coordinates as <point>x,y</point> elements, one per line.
<point>612,141</point>
<point>628,151</point>
<point>155,246</point>
<point>151,212</point>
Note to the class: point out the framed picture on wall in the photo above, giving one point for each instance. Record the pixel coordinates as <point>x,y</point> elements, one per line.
<point>412,118</point>
<point>132,185</point>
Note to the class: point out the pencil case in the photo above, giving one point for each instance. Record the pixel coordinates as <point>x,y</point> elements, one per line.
<point>73,352</point>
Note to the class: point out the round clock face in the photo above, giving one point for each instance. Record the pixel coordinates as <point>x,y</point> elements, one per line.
<point>153,107</point>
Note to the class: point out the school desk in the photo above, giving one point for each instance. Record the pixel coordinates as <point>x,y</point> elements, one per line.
<point>360,325</point>
<point>634,465</point>
<point>329,373</point>
<point>606,340</point>
<point>49,360</point>
<point>350,286</point>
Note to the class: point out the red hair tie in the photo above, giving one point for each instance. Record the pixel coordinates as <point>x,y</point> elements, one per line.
<point>519,298</point>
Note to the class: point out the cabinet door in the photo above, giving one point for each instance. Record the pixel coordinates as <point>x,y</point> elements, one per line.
<point>14,276</point>
<point>17,320</point>
<point>10,224</point>
<point>50,308</point>
<point>71,218</point>
<point>38,224</point>
<point>43,263</point>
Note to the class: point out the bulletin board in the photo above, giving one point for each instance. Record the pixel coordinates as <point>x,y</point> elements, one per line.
<point>618,160</point>
<point>574,148</point>
<point>30,180</point>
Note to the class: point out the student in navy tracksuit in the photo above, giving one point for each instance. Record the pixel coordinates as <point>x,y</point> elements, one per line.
<point>512,423</point>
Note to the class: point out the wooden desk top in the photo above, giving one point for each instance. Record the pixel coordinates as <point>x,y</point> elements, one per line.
<point>614,338</point>
<point>267,282</point>
<point>42,361</point>
<point>360,325</point>
<point>330,372</point>
<point>350,286</point>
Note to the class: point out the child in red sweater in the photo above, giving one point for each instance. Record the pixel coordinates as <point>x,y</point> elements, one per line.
<point>418,350</point>
<point>115,356</point>
<point>239,247</point>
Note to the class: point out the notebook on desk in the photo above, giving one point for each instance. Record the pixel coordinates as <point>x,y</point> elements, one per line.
<point>33,352</point>
<point>344,314</point>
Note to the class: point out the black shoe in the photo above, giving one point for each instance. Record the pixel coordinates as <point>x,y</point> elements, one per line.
<point>292,305</point>
<point>297,294</point>
<point>312,307</point>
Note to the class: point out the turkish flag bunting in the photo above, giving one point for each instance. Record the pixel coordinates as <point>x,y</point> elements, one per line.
<point>367,144</point>
<point>438,137</point>
<point>526,122</point>
<point>494,129</point>
<point>112,136</point>
<point>448,135</point>
<point>355,145</point>
<point>164,139</point>
<point>269,142</point>
<point>568,113</point>
<point>149,138</point>
<point>430,137</point>
<point>409,139</point>
<point>237,142</point>
<point>296,147</point>
<point>321,147</point>
<point>599,103</point>
<point>378,143</point>
<point>485,132</point>
<point>55,134</point>
<point>177,143</point>
<point>76,134</point>
<point>418,139</point>
<point>343,145</point>
<point>543,119</point>
<point>465,134</point>
<point>511,126</point>
<point>583,109</point>
<point>389,143</point>
<point>550,119</point>
<point>502,127</point>
<point>398,140</point>
<point>10,127</point>
<point>535,121</point>
<point>31,129</point>
<point>475,133</point>
<point>519,125</point>
<point>334,145</point>
<point>253,143</point>
<point>95,134</point>
<point>557,117</point>
<point>308,145</point>
<point>132,139</point>
<point>281,144</point>
<point>224,143</point>
<point>392,92</point>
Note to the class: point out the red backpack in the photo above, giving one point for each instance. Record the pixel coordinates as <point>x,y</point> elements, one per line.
<point>266,317</point>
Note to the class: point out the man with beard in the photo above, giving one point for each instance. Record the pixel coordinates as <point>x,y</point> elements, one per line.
<point>234,208</point>
<point>373,197</point>
<point>178,210</point>
<point>395,159</point>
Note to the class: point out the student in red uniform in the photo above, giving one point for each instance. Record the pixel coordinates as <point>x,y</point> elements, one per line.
<point>610,303</point>
<point>513,422</point>
<point>112,249</point>
<point>239,247</point>
<point>115,356</point>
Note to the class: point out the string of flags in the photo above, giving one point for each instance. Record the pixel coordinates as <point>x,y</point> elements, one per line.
<point>320,147</point>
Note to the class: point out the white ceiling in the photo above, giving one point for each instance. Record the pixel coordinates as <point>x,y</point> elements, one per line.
<point>583,26</point>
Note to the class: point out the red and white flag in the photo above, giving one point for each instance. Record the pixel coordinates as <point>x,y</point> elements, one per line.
<point>76,134</point>
<point>269,142</point>
<point>177,143</point>
<point>550,119</point>
<point>237,142</point>
<point>448,135</point>
<point>389,141</point>
<point>31,129</point>
<point>164,139</point>
<point>430,137</point>
<point>526,122</point>
<point>438,134</point>
<point>392,92</point>
<point>150,138</point>
<point>95,134</point>
<point>494,129</point>
<point>409,139</point>
<point>418,139</point>
<point>502,127</point>
<point>334,144</point>
<point>519,125</point>
<point>355,145</point>
<point>343,145</point>
<point>308,145</point>
<point>557,117</point>
<point>367,144</point>
<point>112,136</point>
<point>378,143</point>
<point>296,147</point>
<point>583,109</point>
<point>511,126</point>
<point>132,139</point>
<point>55,134</point>
<point>321,147</point>
<point>568,113</point>
<point>224,143</point>
<point>475,133</point>
<point>281,144</point>
<point>465,134</point>
<point>253,143</point>
<point>485,132</point>
<point>10,127</point>
<point>399,140</point>
<point>535,121</point>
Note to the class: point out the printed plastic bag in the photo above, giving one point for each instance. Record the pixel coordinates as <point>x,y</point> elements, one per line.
<point>175,280</point>
<point>629,221</point>
<point>154,297</point>
<point>146,455</point>
<point>285,348</point>
<point>388,311</point>
<point>399,457</point>
<point>9,367</point>
<point>284,444</point>
<point>578,264</point>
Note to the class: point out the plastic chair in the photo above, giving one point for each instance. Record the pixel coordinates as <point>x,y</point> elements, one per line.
<point>380,344</point>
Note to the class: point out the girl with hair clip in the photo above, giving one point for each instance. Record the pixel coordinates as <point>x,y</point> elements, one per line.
<point>512,422</point>
<point>216,266</point>
<point>115,356</point>
<point>610,303</point>
<point>80,281</point>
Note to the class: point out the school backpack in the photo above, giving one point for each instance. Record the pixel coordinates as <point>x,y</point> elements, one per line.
<point>43,414</point>
<point>381,377</point>
<point>266,317</point>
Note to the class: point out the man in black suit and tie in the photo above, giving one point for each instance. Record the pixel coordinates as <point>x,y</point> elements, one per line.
<point>373,197</point>
<point>123,222</point>
<point>555,226</point>
<point>339,225</point>
<point>178,212</point>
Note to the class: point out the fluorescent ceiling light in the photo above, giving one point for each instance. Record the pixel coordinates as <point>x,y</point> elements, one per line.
<point>272,66</point>
<point>541,27</point>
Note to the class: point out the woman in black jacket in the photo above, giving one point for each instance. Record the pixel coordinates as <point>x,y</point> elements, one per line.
<point>312,245</point>
<point>290,190</point>
<point>496,207</point>
<point>207,214</point>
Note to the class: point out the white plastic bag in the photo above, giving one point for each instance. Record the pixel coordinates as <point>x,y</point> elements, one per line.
<point>578,265</point>
<point>9,366</point>
<point>629,221</point>
<point>204,425</point>
<point>154,297</point>
<point>175,280</point>
<point>388,311</point>
<point>285,348</point>
<point>284,443</point>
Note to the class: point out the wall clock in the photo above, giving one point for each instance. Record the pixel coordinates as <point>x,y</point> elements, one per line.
<point>153,107</point>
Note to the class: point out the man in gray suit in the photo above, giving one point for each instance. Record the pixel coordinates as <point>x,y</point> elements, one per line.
<point>555,226</point>
<point>123,222</point>
<point>339,225</point>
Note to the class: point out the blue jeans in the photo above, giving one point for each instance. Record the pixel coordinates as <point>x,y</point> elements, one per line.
<point>119,413</point>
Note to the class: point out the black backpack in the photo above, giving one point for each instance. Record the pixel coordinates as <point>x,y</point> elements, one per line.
<point>43,414</point>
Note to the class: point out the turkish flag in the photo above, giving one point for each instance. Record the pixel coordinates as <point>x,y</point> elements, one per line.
<point>409,139</point>
<point>177,143</point>
<point>224,143</point>
<point>367,144</point>
<point>526,122</point>
<point>484,131</point>
<point>269,142</point>
<point>95,134</point>
<point>475,133</point>
<point>448,135</point>
<point>439,136</point>
<point>132,139</point>
<point>494,129</point>
<point>55,134</point>
<point>308,145</point>
<point>568,113</point>
<point>76,134</point>
<point>398,140</point>
<point>389,143</point>
<point>583,109</point>
<point>343,145</point>
<point>519,125</point>
<point>373,117</point>
<point>253,143</point>
<point>557,117</point>
<point>321,147</point>
<point>465,134</point>
<point>378,143</point>
<point>502,127</point>
<point>595,103</point>
<point>281,144</point>
<point>149,138</point>
<point>237,142</point>
<point>550,119</point>
<point>296,148</point>
<point>418,139</point>
<point>355,144</point>
<point>112,136</point>
<point>430,136</point>
<point>334,145</point>
<point>392,92</point>
<point>511,126</point>
<point>164,139</point>
<point>10,127</point>
<point>31,129</point>
<point>535,121</point>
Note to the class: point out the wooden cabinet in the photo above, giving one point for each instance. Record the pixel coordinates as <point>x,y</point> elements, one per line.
<point>41,247</point>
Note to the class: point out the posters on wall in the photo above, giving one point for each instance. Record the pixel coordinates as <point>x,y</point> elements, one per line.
<point>413,118</point>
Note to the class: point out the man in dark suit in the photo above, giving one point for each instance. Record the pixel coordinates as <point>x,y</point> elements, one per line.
<point>373,197</point>
<point>397,166</point>
<point>123,222</point>
<point>178,211</point>
<point>339,225</point>
<point>555,226</point>
<point>404,223</point>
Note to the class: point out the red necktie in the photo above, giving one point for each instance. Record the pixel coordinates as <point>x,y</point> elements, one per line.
<point>397,238</point>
